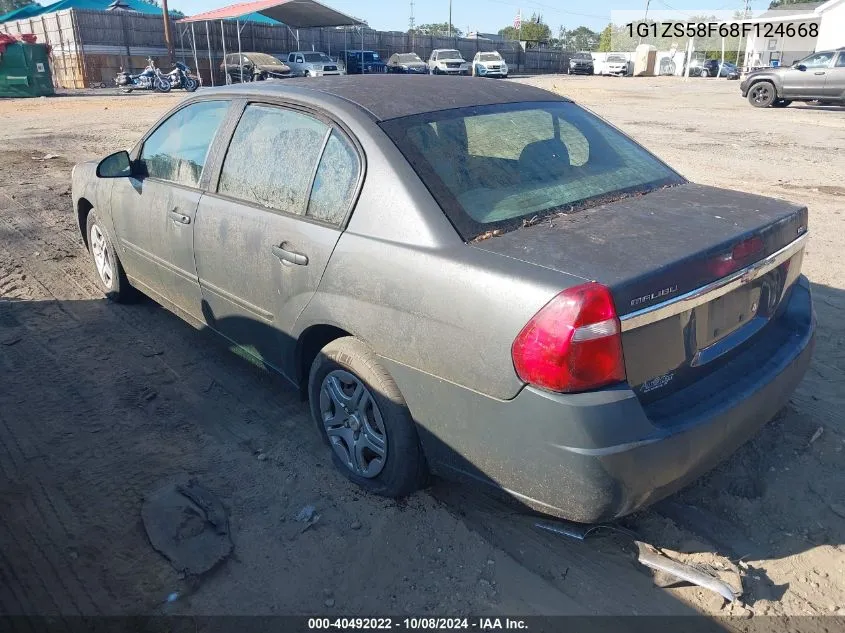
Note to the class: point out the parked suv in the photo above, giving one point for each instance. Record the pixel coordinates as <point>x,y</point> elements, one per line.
<point>581,64</point>
<point>447,61</point>
<point>312,64</point>
<point>819,77</point>
<point>490,64</point>
<point>363,62</point>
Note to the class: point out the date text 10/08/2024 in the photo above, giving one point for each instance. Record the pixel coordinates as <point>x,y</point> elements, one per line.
<point>417,624</point>
<point>721,29</point>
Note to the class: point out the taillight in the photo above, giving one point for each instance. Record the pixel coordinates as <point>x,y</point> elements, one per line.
<point>573,344</point>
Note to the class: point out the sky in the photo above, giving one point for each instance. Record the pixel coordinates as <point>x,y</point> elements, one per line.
<point>488,16</point>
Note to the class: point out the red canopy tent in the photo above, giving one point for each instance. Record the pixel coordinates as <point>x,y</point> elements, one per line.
<point>292,13</point>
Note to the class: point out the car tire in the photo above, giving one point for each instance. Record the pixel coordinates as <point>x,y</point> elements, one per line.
<point>781,103</point>
<point>342,367</point>
<point>703,73</point>
<point>762,94</point>
<point>108,270</point>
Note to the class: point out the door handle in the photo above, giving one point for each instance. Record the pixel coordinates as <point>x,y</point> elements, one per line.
<point>181,218</point>
<point>821,72</point>
<point>290,257</point>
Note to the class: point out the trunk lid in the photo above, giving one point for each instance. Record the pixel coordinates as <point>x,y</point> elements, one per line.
<point>656,252</point>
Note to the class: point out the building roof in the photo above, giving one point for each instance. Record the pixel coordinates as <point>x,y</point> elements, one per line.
<point>294,13</point>
<point>392,96</point>
<point>95,5</point>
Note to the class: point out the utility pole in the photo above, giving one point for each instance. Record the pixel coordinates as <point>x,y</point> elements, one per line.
<point>168,36</point>
<point>450,18</point>
<point>412,27</point>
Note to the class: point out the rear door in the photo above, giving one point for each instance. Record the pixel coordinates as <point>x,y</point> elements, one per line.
<point>834,86</point>
<point>265,232</point>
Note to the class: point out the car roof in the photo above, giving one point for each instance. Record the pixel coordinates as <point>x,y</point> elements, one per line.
<point>388,96</point>
<point>304,52</point>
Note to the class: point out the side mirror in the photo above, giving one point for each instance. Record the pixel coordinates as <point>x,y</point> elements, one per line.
<point>117,165</point>
<point>801,67</point>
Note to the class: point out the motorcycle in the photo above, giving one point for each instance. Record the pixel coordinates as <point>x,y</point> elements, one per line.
<point>151,79</point>
<point>180,77</point>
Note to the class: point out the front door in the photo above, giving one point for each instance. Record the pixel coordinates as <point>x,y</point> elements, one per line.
<point>834,86</point>
<point>263,239</point>
<point>154,212</point>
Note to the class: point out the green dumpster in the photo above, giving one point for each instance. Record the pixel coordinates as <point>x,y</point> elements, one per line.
<point>24,70</point>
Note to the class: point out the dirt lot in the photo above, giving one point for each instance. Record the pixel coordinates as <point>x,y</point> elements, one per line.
<point>101,404</point>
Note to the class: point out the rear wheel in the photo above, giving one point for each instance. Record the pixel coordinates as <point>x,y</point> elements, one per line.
<point>781,103</point>
<point>362,415</point>
<point>762,94</point>
<point>703,73</point>
<point>163,85</point>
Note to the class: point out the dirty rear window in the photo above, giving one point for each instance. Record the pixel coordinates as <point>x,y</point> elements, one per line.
<point>494,167</point>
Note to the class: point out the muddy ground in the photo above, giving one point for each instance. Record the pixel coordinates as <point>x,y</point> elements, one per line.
<point>101,404</point>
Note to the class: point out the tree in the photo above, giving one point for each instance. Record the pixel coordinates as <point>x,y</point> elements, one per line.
<point>582,39</point>
<point>534,30</point>
<point>774,4</point>
<point>605,39</point>
<point>10,5</point>
<point>440,29</point>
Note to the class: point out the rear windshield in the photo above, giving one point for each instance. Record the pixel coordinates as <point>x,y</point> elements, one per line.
<point>495,167</point>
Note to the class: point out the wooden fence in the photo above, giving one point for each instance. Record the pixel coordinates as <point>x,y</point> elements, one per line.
<point>89,47</point>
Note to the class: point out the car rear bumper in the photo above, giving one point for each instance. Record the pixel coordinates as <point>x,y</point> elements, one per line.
<point>597,456</point>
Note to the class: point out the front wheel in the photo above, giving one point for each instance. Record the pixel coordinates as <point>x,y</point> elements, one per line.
<point>703,73</point>
<point>109,272</point>
<point>762,94</point>
<point>362,415</point>
<point>163,85</point>
<point>191,84</point>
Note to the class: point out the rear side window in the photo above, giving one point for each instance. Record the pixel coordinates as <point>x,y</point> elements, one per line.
<point>272,158</point>
<point>335,182</point>
<point>493,167</point>
<point>177,150</point>
<point>840,61</point>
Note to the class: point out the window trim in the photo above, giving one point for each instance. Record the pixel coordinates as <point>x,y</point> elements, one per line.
<point>210,158</point>
<point>238,109</point>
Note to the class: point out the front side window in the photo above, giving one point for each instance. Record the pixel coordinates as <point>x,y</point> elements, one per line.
<point>336,181</point>
<point>271,159</point>
<point>492,167</point>
<point>177,150</point>
<point>819,60</point>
